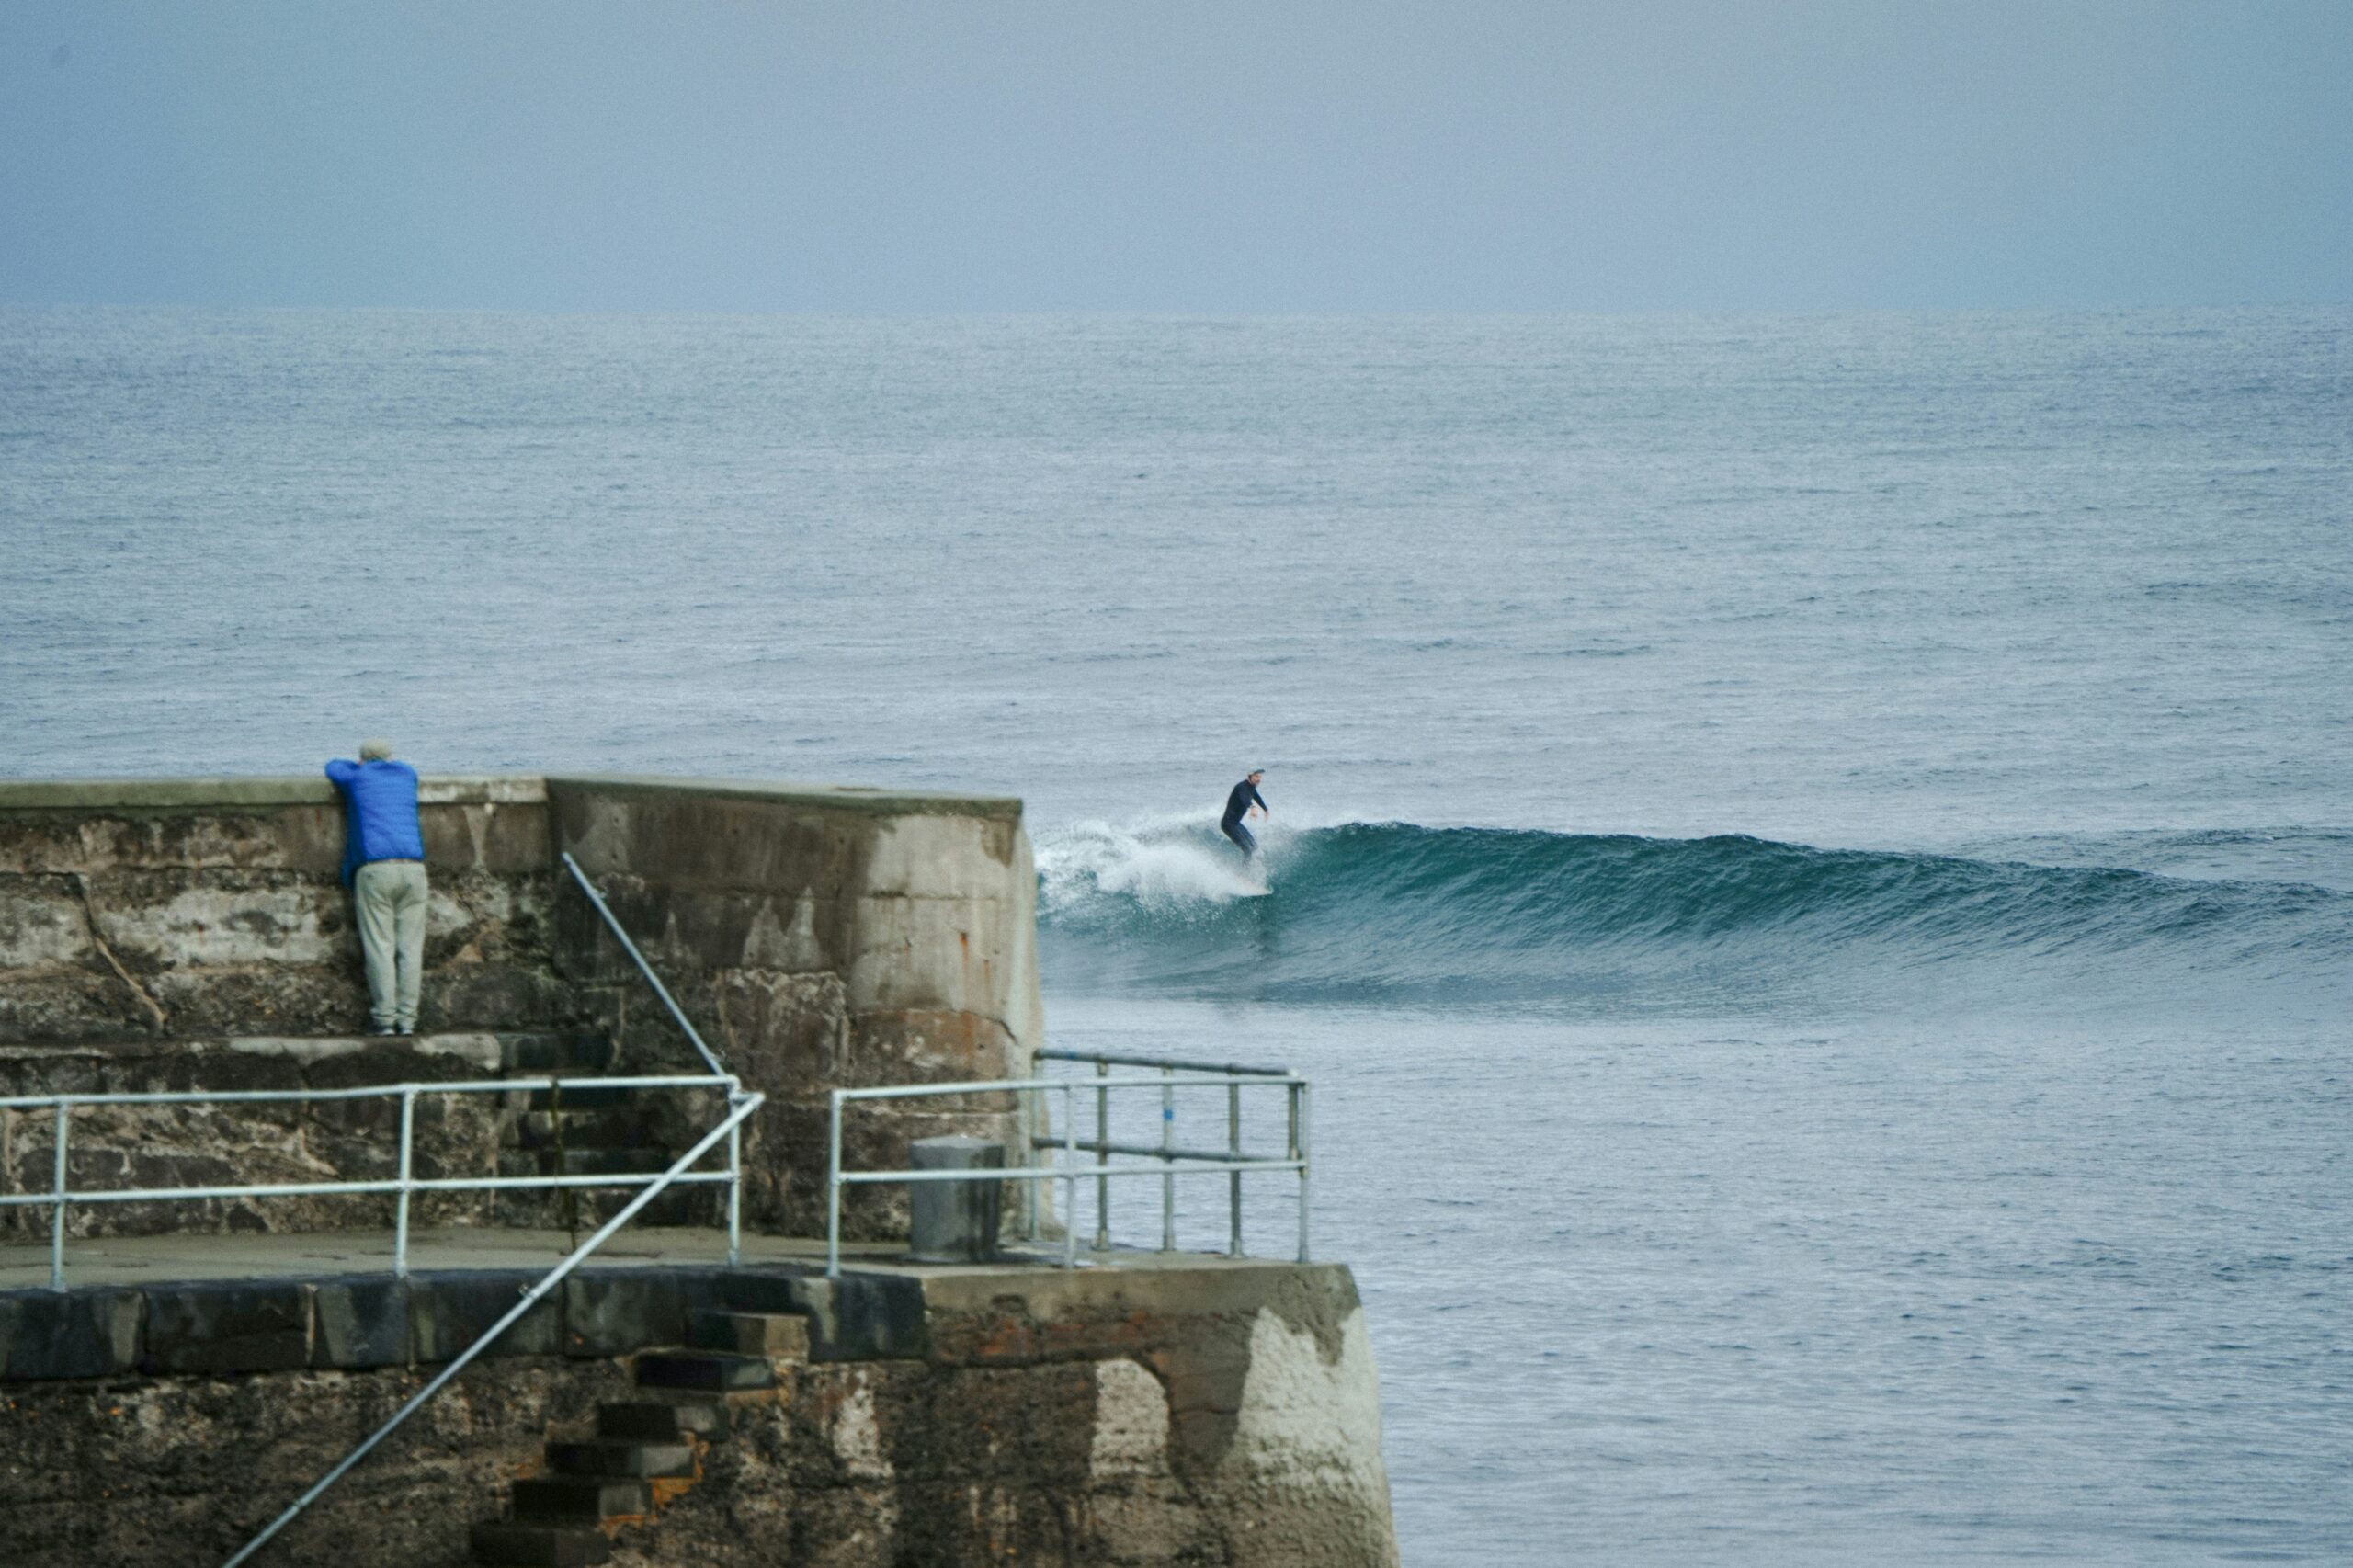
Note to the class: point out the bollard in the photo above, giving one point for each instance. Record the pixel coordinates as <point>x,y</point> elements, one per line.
<point>954,1221</point>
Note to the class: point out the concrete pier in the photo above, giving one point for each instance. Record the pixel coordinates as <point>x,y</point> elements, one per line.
<point>1155,1408</point>
<point>211,1358</point>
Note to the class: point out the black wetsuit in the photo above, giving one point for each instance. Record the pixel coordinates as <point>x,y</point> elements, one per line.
<point>1243,796</point>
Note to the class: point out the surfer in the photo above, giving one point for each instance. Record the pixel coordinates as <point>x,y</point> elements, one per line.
<point>1240,802</point>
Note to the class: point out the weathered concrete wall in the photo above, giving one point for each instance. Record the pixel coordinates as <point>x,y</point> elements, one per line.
<point>154,1147</point>
<point>1215,1415</point>
<point>820,938</point>
<point>181,1472</point>
<point>180,908</point>
<point>177,935</point>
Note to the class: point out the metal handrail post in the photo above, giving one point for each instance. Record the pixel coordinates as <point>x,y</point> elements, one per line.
<point>57,1218</point>
<point>736,1190</point>
<point>1070,1176</point>
<point>1168,1169</point>
<point>834,1192</point>
<point>1032,1226</point>
<point>613,925</point>
<point>1102,1158</point>
<point>532,1298</point>
<point>1299,1153</point>
<point>1234,1146</point>
<point>408,1174</point>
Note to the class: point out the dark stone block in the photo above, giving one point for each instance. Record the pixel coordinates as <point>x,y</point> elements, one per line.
<point>881,1315</point>
<point>589,1162</point>
<point>866,1317</point>
<point>540,1546</point>
<point>620,1458</point>
<point>228,1326</point>
<point>74,1333</point>
<point>450,1312</point>
<point>575,1050</point>
<point>664,1420</point>
<point>616,1311</point>
<point>360,1321</point>
<point>707,1371</point>
<point>700,1290</point>
<point>603,1098</point>
<point>763,1290</point>
<point>622,1128</point>
<point>580,1499</point>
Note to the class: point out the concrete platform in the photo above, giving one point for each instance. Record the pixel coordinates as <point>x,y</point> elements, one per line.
<point>145,1260</point>
<point>156,1305</point>
<point>141,1260</point>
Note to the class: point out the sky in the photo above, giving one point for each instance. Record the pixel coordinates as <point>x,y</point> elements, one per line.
<point>1006,155</point>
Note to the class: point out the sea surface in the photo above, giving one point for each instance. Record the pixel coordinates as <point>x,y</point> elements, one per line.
<point>1811,860</point>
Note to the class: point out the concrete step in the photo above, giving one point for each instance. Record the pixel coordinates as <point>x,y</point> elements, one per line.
<point>592,1097</point>
<point>620,1457</point>
<point>713,1370</point>
<point>622,1128</point>
<point>664,1420</point>
<point>512,1543</point>
<point>556,1051</point>
<point>594,1205</point>
<point>777,1336</point>
<point>583,1161</point>
<point>580,1500</point>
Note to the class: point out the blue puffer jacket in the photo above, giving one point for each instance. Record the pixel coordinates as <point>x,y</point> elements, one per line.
<point>381,802</point>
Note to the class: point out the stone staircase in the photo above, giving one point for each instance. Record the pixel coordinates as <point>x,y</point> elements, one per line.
<point>588,1131</point>
<point>643,1453</point>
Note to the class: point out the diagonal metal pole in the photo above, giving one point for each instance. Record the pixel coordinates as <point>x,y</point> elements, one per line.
<point>530,1298</point>
<point>613,925</point>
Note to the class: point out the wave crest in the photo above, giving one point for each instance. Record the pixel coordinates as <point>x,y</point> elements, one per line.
<point>1391,909</point>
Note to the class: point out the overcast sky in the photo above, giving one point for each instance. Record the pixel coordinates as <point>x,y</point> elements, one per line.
<point>998,156</point>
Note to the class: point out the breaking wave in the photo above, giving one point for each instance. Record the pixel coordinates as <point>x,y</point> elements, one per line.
<point>1391,910</point>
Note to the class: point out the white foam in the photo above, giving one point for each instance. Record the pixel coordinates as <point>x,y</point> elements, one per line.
<point>1162,862</point>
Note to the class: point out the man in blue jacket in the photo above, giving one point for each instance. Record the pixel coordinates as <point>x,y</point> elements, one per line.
<point>383,863</point>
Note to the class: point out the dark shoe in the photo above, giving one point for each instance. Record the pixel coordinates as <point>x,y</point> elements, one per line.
<point>375,1027</point>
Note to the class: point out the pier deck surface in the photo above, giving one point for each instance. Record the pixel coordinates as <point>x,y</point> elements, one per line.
<point>142,1260</point>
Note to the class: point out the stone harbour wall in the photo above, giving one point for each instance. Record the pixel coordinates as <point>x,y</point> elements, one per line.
<point>166,1146</point>
<point>174,909</point>
<point>186,935</point>
<point>845,939</point>
<point>168,935</point>
<point>1215,1415</point>
<point>180,935</point>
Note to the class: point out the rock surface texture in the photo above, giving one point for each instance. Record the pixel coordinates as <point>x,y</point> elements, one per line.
<point>846,938</point>
<point>1218,1414</point>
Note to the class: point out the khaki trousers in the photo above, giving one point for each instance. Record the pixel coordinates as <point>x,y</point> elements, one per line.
<point>390,898</point>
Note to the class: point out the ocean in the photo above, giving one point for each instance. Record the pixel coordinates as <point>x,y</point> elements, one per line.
<point>1811,856</point>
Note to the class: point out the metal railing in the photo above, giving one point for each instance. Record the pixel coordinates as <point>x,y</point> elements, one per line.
<point>740,1106</point>
<point>1236,1076</point>
<point>1167,1158</point>
<point>402,1187</point>
<point>62,1195</point>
